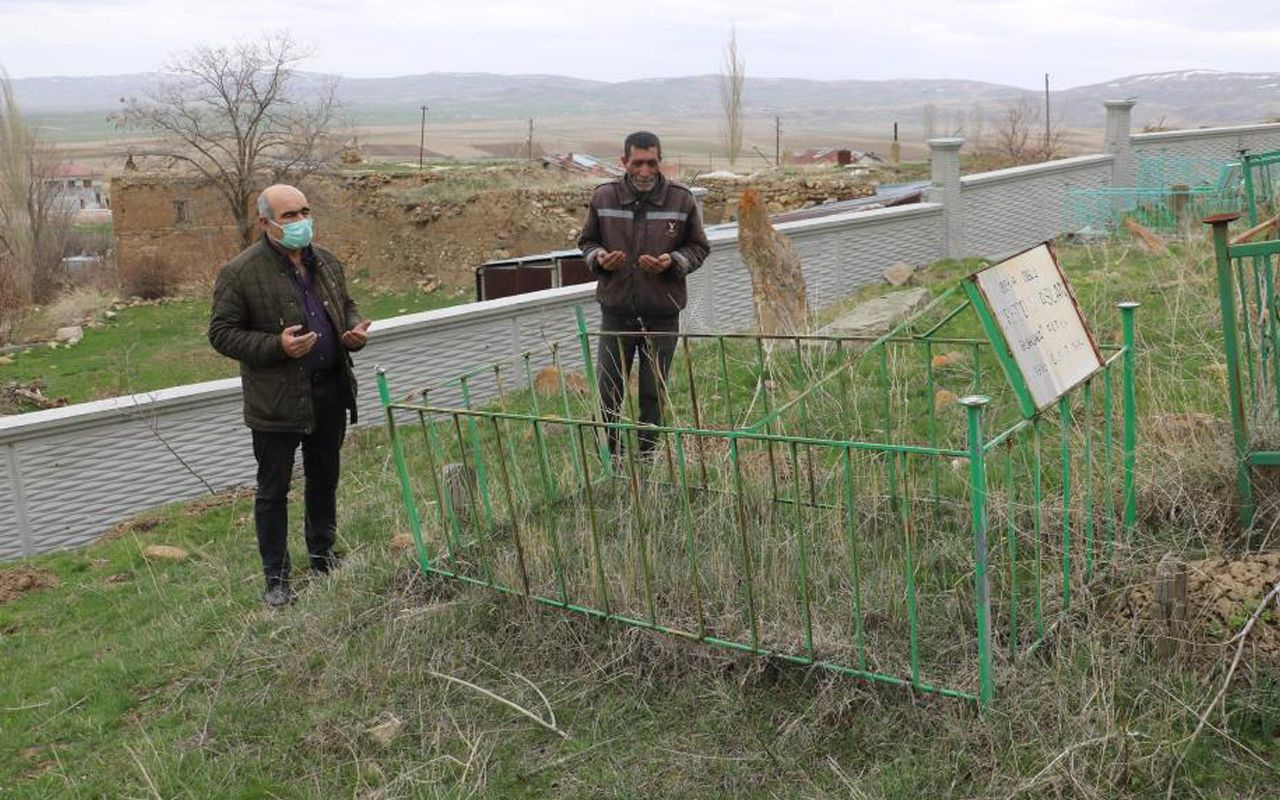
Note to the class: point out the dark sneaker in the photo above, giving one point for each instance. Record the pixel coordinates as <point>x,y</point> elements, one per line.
<point>278,594</point>
<point>327,562</point>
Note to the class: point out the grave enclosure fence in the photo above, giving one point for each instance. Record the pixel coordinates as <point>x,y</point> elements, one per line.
<point>877,507</point>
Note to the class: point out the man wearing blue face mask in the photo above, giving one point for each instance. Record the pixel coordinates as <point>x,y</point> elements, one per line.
<point>281,309</point>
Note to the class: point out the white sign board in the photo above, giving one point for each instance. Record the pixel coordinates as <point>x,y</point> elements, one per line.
<point>1037,313</point>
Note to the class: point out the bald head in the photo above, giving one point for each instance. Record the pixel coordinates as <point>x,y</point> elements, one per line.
<point>278,198</point>
<point>278,206</point>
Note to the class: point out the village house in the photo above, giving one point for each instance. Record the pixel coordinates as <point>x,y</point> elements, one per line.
<point>80,188</point>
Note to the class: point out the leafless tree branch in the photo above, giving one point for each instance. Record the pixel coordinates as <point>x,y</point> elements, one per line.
<point>33,224</point>
<point>234,116</point>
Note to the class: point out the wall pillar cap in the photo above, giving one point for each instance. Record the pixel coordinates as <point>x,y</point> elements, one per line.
<point>948,143</point>
<point>1120,104</point>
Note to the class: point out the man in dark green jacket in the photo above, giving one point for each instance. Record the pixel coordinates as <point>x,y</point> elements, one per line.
<point>282,310</point>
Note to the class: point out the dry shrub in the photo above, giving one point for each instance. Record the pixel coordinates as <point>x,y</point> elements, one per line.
<point>75,307</point>
<point>151,277</point>
<point>13,302</point>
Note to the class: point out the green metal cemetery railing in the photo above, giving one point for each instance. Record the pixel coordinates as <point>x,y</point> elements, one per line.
<point>1247,297</point>
<point>821,500</point>
<point>1260,177</point>
<point>1172,192</point>
<point>1163,210</point>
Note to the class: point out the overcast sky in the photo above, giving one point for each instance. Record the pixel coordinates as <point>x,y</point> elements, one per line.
<point>1003,41</point>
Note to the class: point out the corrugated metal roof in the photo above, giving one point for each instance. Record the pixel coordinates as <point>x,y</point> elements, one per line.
<point>581,162</point>
<point>892,194</point>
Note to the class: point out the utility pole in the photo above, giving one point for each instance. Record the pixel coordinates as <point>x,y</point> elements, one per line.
<point>1047,153</point>
<point>531,138</point>
<point>777,141</point>
<point>422,137</point>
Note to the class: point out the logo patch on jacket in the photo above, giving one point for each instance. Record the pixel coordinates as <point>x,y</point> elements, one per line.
<point>671,228</point>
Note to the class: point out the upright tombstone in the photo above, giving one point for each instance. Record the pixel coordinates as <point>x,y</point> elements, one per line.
<point>1034,322</point>
<point>777,282</point>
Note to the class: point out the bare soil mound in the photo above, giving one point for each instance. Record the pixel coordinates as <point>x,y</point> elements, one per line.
<point>410,228</point>
<point>406,229</point>
<point>1221,596</point>
<point>19,581</point>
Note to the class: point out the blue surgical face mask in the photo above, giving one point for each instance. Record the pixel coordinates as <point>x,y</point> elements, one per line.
<point>294,235</point>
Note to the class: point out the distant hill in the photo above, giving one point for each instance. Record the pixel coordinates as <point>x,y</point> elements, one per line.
<point>1189,98</point>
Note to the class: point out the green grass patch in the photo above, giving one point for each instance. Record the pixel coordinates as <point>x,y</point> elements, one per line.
<point>151,347</point>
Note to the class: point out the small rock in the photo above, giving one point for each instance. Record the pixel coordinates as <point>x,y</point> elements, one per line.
<point>164,552</point>
<point>947,359</point>
<point>547,382</point>
<point>959,464</point>
<point>576,382</point>
<point>72,334</point>
<point>384,733</point>
<point>5,360</point>
<point>943,399</point>
<point>401,543</point>
<point>109,314</point>
<point>899,274</point>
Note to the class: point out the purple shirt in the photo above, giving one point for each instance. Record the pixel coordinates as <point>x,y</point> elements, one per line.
<point>328,347</point>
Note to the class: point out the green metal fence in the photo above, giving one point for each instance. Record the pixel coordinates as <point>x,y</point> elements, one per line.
<point>1260,182</point>
<point>1168,211</point>
<point>1247,296</point>
<point>825,501</point>
<point>1171,194</point>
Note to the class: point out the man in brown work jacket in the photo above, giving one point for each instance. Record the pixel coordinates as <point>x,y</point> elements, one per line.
<point>642,236</point>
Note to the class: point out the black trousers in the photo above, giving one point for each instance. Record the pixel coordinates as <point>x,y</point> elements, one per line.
<point>320,464</point>
<point>617,354</point>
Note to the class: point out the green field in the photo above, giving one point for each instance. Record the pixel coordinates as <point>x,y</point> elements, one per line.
<point>151,347</point>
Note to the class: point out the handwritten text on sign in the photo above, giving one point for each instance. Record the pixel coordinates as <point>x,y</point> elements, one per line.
<point>1032,305</point>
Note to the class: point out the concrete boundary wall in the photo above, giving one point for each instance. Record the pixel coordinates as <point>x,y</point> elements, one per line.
<point>1012,209</point>
<point>68,475</point>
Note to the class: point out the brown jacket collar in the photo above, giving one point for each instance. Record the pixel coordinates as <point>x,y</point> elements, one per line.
<point>657,196</point>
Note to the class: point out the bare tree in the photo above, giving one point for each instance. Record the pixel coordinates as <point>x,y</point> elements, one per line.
<point>1013,132</point>
<point>235,116</point>
<point>977,122</point>
<point>33,225</point>
<point>929,121</point>
<point>731,96</point>
<point>1018,137</point>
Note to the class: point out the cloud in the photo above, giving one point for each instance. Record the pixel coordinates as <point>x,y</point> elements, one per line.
<point>1006,41</point>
